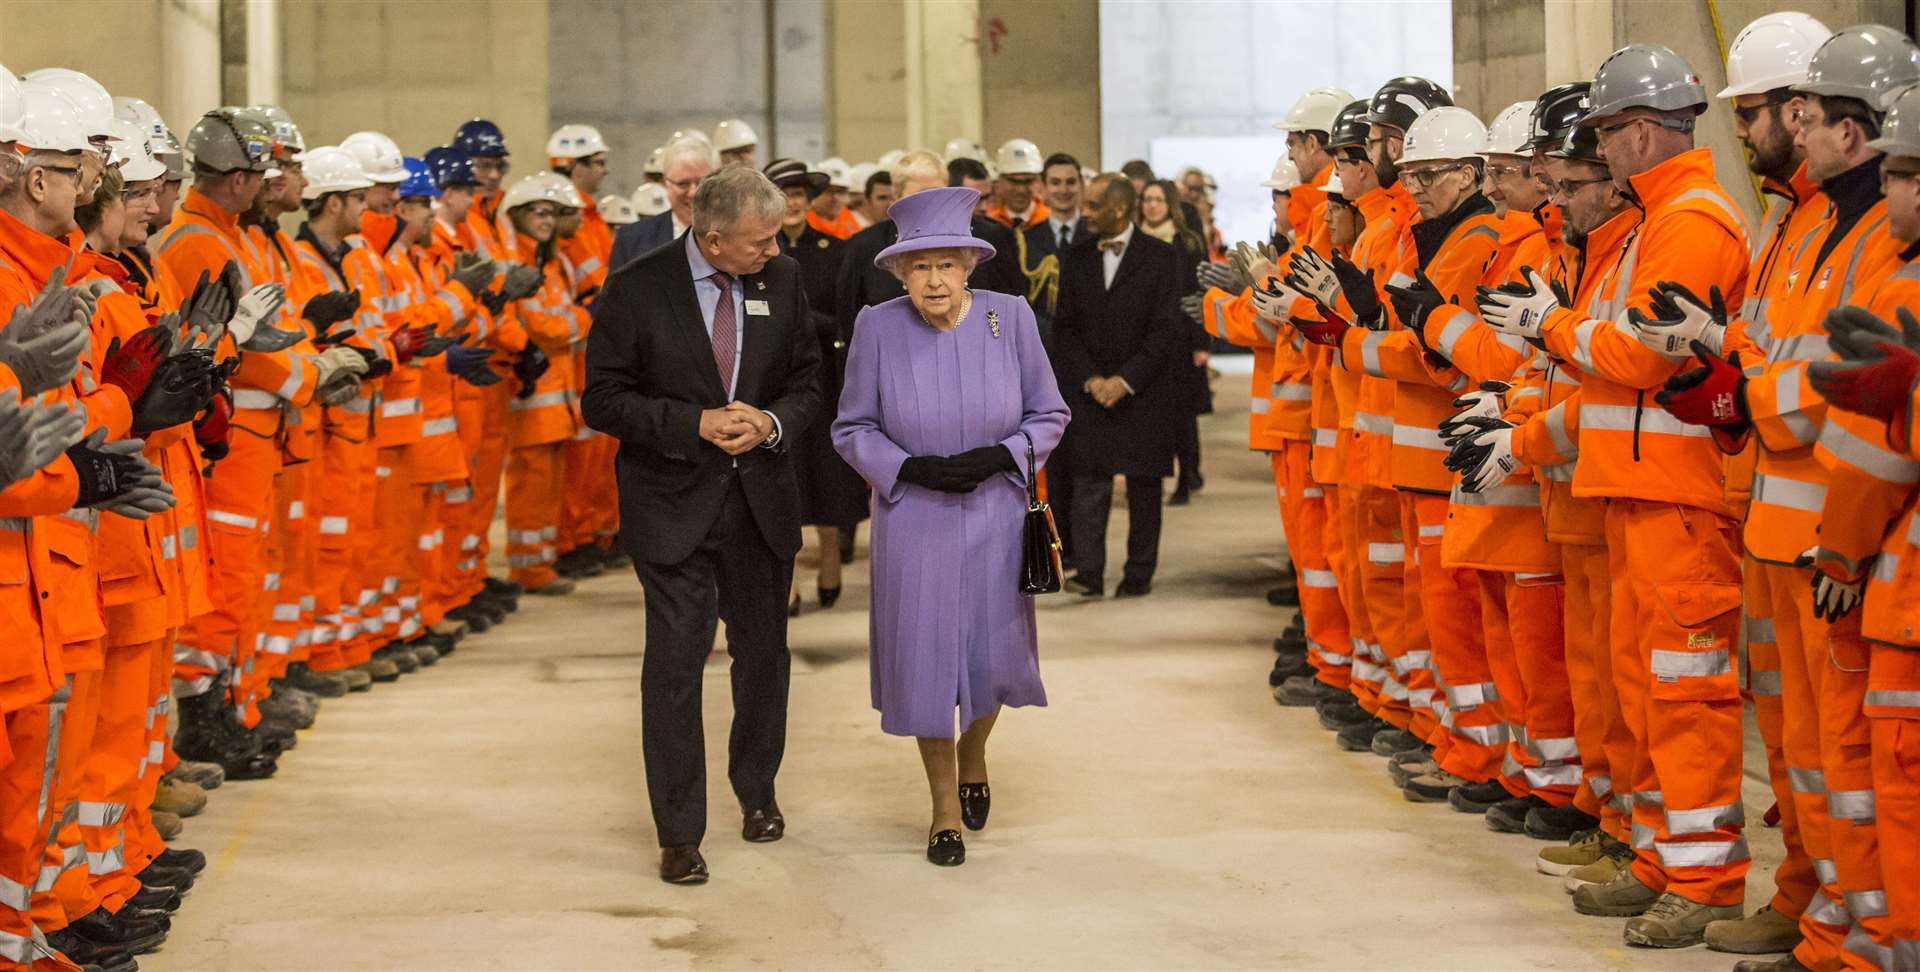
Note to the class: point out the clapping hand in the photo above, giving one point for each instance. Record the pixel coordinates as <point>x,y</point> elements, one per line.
<point>42,343</point>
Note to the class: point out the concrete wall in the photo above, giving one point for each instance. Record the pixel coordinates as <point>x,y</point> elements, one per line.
<point>866,77</point>
<point>65,33</point>
<point>1040,75</point>
<point>1498,58</point>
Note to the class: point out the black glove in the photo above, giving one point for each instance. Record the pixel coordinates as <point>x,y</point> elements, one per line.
<point>326,310</point>
<point>211,304</point>
<point>1413,304</point>
<point>469,364</point>
<point>436,345</point>
<point>982,464</point>
<point>235,282</point>
<point>531,364</point>
<point>1362,296</point>
<point>181,387</point>
<point>936,473</point>
<point>521,281</point>
<point>106,473</point>
<point>377,365</point>
<point>493,300</point>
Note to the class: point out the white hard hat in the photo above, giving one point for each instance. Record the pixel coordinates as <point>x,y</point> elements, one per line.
<point>378,156</point>
<point>1286,177</point>
<point>141,114</point>
<point>1017,156</point>
<point>964,148</point>
<point>617,210</point>
<point>95,104</point>
<point>1333,186</point>
<point>1510,131</point>
<point>1772,52</point>
<point>1446,132</point>
<point>13,106</point>
<point>542,186</point>
<point>837,174</point>
<point>1315,110</point>
<point>681,133</point>
<point>656,164</point>
<point>858,175</point>
<point>133,153</point>
<point>733,134</point>
<point>330,168</point>
<point>890,157</point>
<point>51,121</point>
<point>575,142</point>
<point>650,199</point>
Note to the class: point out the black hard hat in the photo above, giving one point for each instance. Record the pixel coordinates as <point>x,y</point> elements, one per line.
<point>1556,112</point>
<point>1582,143</point>
<point>1401,100</point>
<point>1349,126</point>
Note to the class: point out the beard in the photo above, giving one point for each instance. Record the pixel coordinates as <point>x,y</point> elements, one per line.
<point>1774,156</point>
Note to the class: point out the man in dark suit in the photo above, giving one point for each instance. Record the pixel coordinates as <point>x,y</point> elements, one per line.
<point>1118,332</point>
<point>703,364</point>
<point>686,161</point>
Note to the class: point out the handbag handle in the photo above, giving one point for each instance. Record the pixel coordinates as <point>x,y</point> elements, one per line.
<point>1033,490</point>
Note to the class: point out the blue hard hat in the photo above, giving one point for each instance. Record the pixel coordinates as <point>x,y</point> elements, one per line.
<point>419,181</point>
<point>480,138</point>
<point>450,167</point>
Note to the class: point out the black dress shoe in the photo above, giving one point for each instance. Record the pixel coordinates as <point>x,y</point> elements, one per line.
<point>976,801</point>
<point>1085,588</point>
<point>135,933</point>
<point>1133,588</point>
<point>683,865</point>
<point>1180,497</point>
<point>92,955</point>
<point>157,897</point>
<point>181,859</point>
<point>947,849</point>
<point>764,825</point>
<point>156,876</point>
<point>829,596</point>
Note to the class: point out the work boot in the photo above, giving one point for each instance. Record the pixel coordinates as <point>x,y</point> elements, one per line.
<point>1393,742</point>
<point>579,562</point>
<point>380,670</point>
<point>1622,897</point>
<point>1341,713</point>
<point>286,707</point>
<point>1403,767</point>
<point>1559,823</point>
<point>1509,816</point>
<point>92,955</point>
<point>476,618</point>
<point>507,592</point>
<point>210,733</point>
<point>1286,595</point>
<point>181,859</point>
<point>557,587</point>
<point>180,798</point>
<point>440,645</point>
<point>1305,690</point>
<point>1676,922</point>
<point>613,558</point>
<point>448,628</point>
<point>133,932</point>
<point>398,654</point>
<point>1291,642</point>
<point>156,876</point>
<point>206,776</point>
<point>424,651</point>
<point>1432,787</point>
<point>276,735</point>
<point>1760,933</point>
<point>1785,963</point>
<point>167,825</point>
<point>1359,738</point>
<point>1288,666</point>
<point>1477,797</point>
<point>157,897</point>
<point>326,685</point>
<point>357,680</point>
<point>1582,849</point>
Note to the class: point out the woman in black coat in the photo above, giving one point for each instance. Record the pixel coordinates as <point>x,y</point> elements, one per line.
<point>1161,219</point>
<point>833,497</point>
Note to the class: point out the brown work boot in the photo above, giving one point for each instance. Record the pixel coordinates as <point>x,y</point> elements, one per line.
<point>1622,897</point>
<point>1760,933</point>
<point>379,670</point>
<point>207,776</point>
<point>1785,963</point>
<point>1676,922</point>
<point>554,588</point>
<point>168,825</point>
<point>1618,857</point>
<point>178,797</point>
<point>1586,847</point>
<point>357,678</point>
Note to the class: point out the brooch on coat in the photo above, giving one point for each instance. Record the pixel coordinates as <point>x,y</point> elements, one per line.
<point>993,322</point>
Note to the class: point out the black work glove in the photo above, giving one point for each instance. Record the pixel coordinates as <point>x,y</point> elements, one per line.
<point>469,364</point>
<point>531,364</point>
<point>181,387</point>
<point>1413,304</point>
<point>982,464</point>
<point>109,471</point>
<point>493,300</point>
<point>377,364</point>
<point>325,310</point>
<point>1362,296</point>
<point>935,473</point>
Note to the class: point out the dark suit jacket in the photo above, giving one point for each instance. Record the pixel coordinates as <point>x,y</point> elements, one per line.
<point>1043,242</point>
<point>650,372</point>
<point>863,285</point>
<point>637,239</point>
<point>1134,330</point>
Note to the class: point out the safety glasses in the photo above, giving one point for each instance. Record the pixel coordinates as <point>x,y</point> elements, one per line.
<point>1751,113</point>
<point>1425,178</point>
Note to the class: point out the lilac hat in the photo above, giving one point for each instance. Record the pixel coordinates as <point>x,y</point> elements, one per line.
<point>935,219</point>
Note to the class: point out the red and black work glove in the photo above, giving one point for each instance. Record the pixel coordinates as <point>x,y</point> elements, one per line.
<point>130,367</point>
<point>1713,395</point>
<point>211,428</point>
<point>1877,370</point>
<point>408,341</point>
<point>1413,304</point>
<point>1330,332</point>
<point>180,388</point>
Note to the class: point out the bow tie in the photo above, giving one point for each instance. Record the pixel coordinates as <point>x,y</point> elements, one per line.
<point>1114,245</point>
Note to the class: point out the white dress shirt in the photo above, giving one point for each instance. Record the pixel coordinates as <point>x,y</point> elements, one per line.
<point>1110,258</point>
<point>706,290</point>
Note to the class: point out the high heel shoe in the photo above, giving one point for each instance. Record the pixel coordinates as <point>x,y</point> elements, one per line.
<point>829,596</point>
<point>947,849</point>
<point>976,801</point>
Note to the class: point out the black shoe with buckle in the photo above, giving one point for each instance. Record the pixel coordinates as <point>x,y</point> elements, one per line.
<point>947,849</point>
<point>976,801</point>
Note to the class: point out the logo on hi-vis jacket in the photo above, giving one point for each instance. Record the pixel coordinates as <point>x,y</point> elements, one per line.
<point>1701,641</point>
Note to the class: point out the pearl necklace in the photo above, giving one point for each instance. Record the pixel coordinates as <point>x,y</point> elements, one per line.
<point>965,309</point>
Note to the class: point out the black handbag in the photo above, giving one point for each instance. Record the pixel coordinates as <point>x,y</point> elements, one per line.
<point>1040,540</point>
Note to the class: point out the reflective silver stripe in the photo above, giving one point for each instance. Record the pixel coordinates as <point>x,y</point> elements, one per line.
<point>333,525</point>
<point>93,814</point>
<point>1882,464</point>
<point>297,510</point>
<point>1600,784</point>
<point>439,426</point>
<point>286,612</point>
<point>1292,392</point>
<point>1670,665</point>
<point>1370,353</point>
<point>1620,418</point>
<point>447,298</point>
<point>15,895</point>
<point>1906,954</point>
<point>1764,683</point>
<point>108,861</point>
<point>1318,578</point>
<point>1412,661</point>
<point>24,949</point>
<point>1386,553</point>
<point>1652,798</point>
<point>253,398</point>
<point>1555,748</point>
<point>1326,438</point>
<point>1786,390</point>
<point>1893,698</point>
<point>1472,695</point>
<point>1416,437</point>
<point>1456,328</point>
<point>1804,348</point>
<point>1867,904</point>
<point>1373,424</point>
<point>1760,629</point>
<point>14,524</point>
<point>541,400</point>
<point>233,519</point>
<point>395,408</point>
<point>1790,493</point>
<point>1399,279</point>
<point>1827,911</point>
<point>357,406</point>
<point>1542,776</point>
<point>1854,805</point>
<point>1522,494</point>
<point>189,537</point>
<point>1705,820</point>
<point>1491,735</point>
<point>1269,332</point>
<point>1432,530</point>
<point>1556,422</point>
<point>1826,870</point>
<point>459,494</point>
<point>1875,954</point>
<point>1701,853</point>
<point>1258,406</point>
<point>1220,313</point>
<point>1807,780</point>
<point>296,376</point>
<point>1643,836</point>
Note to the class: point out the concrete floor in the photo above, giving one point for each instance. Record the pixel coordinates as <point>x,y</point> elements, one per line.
<point>490,813</point>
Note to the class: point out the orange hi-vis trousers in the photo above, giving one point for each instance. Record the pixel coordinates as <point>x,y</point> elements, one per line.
<point>63,891</point>
<point>29,758</point>
<point>1676,590</point>
<point>1368,660</point>
<point>486,464</point>
<point>289,605</point>
<point>1893,709</point>
<point>1469,735</point>
<point>1606,748</point>
<point>240,513</point>
<point>1384,578</point>
<point>400,516</point>
<point>535,480</point>
<point>346,482</point>
<point>1521,616</point>
<point>123,771</point>
<point>589,508</point>
<point>1309,532</point>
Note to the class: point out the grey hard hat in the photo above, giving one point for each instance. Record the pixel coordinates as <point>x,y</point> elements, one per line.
<point>1643,76</point>
<point>1900,130</point>
<point>1869,63</point>
<point>231,139</point>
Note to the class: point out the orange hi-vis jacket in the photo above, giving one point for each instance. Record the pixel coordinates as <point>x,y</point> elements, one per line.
<point>1799,206</point>
<point>437,454</point>
<point>590,249</point>
<point>554,323</point>
<point>1790,484</point>
<point>303,283</point>
<point>840,227</point>
<point>1292,375</point>
<point>1378,248</point>
<point>1230,317</point>
<point>482,235</point>
<point>998,213</point>
<point>1456,263</point>
<point>156,288</point>
<point>356,419</point>
<point>1630,447</point>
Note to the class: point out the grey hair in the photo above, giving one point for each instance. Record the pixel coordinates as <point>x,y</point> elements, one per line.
<point>897,264</point>
<point>13,171</point>
<point>688,149</point>
<point>734,193</point>
<point>919,164</point>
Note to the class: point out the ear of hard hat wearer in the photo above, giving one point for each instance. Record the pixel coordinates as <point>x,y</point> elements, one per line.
<point>480,138</point>
<point>1443,134</point>
<point>95,104</point>
<point>1315,110</point>
<point>575,142</point>
<point>1017,156</point>
<point>1869,63</point>
<point>1403,99</point>
<point>330,168</point>
<point>1510,131</point>
<point>1643,76</point>
<point>1557,112</point>
<point>1285,177</point>
<point>1772,52</point>
<point>733,134</point>
<point>50,120</point>
<point>378,155</point>
<point>1349,126</point>
<point>1900,129</point>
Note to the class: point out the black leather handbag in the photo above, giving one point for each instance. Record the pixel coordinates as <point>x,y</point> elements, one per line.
<point>1040,541</point>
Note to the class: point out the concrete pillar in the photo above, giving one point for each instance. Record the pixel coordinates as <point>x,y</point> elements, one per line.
<point>190,83</point>
<point>1040,74</point>
<point>1498,53</point>
<point>866,77</point>
<point>943,89</point>
<point>798,95</point>
<point>263,52</point>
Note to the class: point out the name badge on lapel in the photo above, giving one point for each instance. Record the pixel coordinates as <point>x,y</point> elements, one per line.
<point>758,308</point>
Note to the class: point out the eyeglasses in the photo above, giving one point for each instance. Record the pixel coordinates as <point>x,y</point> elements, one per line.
<point>1567,187</point>
<point>1891,176</point>
<point>71,170</point>
<point>1425,178</point>
<point>1604,132</point>
<point>1748,114</point>
<point>683,185</point>
<point>1506,171</point>
<point>541,212</point>
<point>135,195</point>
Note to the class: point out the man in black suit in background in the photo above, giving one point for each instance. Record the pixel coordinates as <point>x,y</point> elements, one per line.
<point>684,162</point>
<point>703,363</point>
<point>1118,332</point>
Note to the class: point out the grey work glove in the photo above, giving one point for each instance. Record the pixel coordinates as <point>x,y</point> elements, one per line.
<point>1222,276</point>
<point>33,435</point>
<point>343,388</point>
<point>522,281</point>
<point>1194,305</point>
<point>43,342</point>
<point>472,274</point>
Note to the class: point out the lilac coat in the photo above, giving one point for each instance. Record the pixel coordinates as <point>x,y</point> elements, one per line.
<point>949,625</point>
